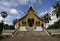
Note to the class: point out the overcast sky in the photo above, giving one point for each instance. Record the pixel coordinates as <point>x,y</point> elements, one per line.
<point>16,8</point>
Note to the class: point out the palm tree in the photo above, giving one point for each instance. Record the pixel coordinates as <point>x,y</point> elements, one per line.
<point>56,8</point>
<point>4,14</point>
<point>47,17</point>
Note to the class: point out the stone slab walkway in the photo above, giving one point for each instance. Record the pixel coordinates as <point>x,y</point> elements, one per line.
<point>22,36</point>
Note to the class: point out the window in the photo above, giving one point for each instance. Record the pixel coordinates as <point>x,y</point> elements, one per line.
<point>23,23</point>
<point>42,25</point>
<point>37,23</point>
<point>30,20</point>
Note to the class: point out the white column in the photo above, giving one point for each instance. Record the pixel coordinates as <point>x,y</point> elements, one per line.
<point>38,28</point>
<point>23,28</point>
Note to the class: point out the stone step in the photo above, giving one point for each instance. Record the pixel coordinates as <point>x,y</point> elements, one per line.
<point>30,29</point>
<point>36,33</point>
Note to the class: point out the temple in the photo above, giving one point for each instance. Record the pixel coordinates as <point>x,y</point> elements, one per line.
<point>31,21</point>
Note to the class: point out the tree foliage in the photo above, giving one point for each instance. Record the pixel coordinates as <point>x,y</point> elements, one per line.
<point>14,21</point>
<point>47,17</point>
<point>56,8</point>
<point>1,26</point>
<point>9,27</point>
<point>56,25</point>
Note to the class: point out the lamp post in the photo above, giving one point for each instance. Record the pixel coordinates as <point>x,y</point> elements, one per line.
<point>4,15</point>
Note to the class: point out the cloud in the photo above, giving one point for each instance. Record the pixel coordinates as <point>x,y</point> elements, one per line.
<point>2,7</point>
<point>7,3</point>
<point>33,1</point>
<point>9,19</point>
<point>1,18</point>
<point>21,12</point>
<point>13,11</point>
<point>47,11</point>
<point>25,2</point>
<point>40,1</point>
<point>14,15</point>
<point>51,9</point>
<point>22,2</point>
<point>43,13</point>
<point>14,3</point>
<point>54,19</point>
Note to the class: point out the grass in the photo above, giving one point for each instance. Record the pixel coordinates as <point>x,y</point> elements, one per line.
<point>58,35</point>
<point>4,37</point>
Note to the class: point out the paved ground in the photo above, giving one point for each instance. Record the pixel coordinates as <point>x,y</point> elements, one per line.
<point>27,36</point>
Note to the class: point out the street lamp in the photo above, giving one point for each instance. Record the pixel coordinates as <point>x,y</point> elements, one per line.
<point>4,15</point>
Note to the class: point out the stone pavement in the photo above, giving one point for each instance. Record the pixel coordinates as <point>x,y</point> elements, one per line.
<point>30,36</point>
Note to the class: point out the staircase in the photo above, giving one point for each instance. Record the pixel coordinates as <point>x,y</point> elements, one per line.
<point>32,31</point>
<point>35,33</point>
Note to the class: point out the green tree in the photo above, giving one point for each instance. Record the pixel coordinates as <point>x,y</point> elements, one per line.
<point>56,8</point>
<point>1,26</point>
<point>47,17</point>
<point>6,26</point>
<point>11,27</point>
<point>56,25</point>
<point>14,21</point>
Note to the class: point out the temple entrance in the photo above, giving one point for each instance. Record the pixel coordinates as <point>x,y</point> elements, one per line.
<point>30,22</point>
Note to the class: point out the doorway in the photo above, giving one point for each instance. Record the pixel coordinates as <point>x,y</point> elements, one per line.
<point>30,22</point>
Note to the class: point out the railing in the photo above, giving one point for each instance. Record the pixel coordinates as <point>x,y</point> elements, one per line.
<point>54,31</point>
<point>9,32</point>
<point>46,32</point>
